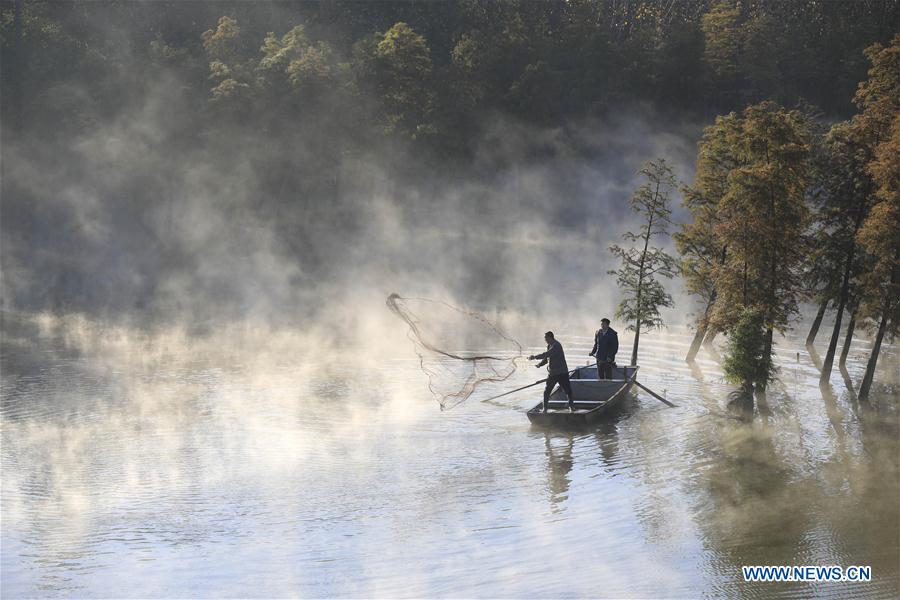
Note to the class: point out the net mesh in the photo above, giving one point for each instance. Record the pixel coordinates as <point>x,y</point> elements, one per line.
<point>440,332</point>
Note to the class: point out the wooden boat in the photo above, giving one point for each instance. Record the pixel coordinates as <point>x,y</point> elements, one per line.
<point>593,398</point>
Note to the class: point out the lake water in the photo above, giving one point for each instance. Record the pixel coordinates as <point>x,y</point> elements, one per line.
<point>159,467</point>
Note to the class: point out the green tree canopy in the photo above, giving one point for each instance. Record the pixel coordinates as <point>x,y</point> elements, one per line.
<point>642,264</point>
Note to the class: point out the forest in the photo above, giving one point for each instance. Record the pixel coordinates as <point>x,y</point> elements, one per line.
<point>794,199</point>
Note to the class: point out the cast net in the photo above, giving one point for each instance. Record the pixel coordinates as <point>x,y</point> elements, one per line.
<point>458,349</point>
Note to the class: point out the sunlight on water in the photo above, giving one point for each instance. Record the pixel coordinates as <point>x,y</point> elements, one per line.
<point>164,466</point>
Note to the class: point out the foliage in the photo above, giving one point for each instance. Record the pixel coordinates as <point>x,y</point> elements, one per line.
<point>748,359</point>
<point>762,216</point>
<point>230,73</point>
<point>701,249</point>
<point>397,65</point>
<point>722,38</point>
<point>842,195</point>
<point>295,66</point>
<point>643,264</point>
<point>436,62</point>
<point>879,234</point>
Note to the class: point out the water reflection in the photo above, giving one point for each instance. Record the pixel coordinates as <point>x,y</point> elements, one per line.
<point>559,459</point>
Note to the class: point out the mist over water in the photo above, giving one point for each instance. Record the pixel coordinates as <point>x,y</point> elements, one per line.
<point>132,224</point>
<point>202,393</point>
<point>258,462</point>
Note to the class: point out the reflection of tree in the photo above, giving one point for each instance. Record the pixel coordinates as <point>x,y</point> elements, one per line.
<point>835,415</point>
<point>849,383</point>
<point>861,485</point>
<point>559,458</point>
<point>816,359</point>
<point>754,509</point>
<point>762,402</point>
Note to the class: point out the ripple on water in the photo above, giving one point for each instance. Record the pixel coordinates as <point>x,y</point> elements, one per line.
<point>263,477</point>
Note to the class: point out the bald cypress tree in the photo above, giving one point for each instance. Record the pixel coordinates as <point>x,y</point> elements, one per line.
<point>761,219</point>
<point>879,235</point>
<point>643,263</point>
<point>847,191</point>
<point>701,249</point>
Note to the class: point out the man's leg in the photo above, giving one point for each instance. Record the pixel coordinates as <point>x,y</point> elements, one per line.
<point>605,370</point>
<point>551,382</point>
<point>566,385</point>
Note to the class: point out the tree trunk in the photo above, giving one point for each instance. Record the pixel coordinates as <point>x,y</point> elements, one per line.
<point>637,336</point>
<point>836,331</point>
<point>703,325</point>
<point>701,330</point>
<point>845,289</point>
<point>814,330</point>
<point>848,339</point>
<point>695,343</point>
<point>710,338</point>
<point>873,359</point>
<point>825,376</point>
<point>640,288</point>
<point>767,354</point>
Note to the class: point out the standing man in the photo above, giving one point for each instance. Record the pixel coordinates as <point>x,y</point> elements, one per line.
<point>606,344</point>
<point>559,370</point>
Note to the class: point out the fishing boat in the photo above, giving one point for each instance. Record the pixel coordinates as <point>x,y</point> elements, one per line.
<point>593,398</point>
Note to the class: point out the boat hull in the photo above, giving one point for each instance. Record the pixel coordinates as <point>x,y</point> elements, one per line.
<point>594,399</point>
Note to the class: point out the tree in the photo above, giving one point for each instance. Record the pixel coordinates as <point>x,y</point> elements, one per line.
<point>643,294</point>
<point>229,69</point>
<point>723,40</point>
<point>879,99</point>
<point>748,357</point>
<point>294,65</point>
<point>846,195</point>
<point>880,236</point>
<point>761,219</point>
<point>397,65</point>
<point>700,247</point>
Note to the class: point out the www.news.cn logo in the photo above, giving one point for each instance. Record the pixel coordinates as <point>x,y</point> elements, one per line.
<point>807,573</point>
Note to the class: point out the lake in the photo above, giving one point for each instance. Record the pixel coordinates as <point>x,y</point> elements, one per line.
<point>138,465</point>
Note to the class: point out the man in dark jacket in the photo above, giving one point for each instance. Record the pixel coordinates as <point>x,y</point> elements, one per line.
<point>559,370</point>
<point>606,344</point>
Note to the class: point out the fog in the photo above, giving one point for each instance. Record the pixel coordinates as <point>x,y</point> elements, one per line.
<point>133,223</point>
<point>204,393</point>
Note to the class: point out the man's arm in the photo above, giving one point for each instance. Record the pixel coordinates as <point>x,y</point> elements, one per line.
<point>553,351</point>
<point>596,344</point>
<point>614,346</point>
<point>541,356</point>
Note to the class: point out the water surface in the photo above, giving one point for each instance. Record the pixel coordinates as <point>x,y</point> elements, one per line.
<point>153,467</point>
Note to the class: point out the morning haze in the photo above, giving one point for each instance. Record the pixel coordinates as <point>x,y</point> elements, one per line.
<point>205,205</point>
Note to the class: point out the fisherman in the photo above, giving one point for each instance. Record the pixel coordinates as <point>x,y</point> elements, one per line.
<point>559,370</point>
<point>606,344</point>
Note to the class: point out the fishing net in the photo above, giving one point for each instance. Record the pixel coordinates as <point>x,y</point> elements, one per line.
<point>441,333</point>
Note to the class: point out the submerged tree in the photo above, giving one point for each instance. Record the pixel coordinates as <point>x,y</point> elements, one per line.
<point>761,219</point>
<point>748,357</point>
<point>701,249</point>
<point>846,195</point>
<point>642,265</point>
<point>879,235</point>
<point>698,246</point>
